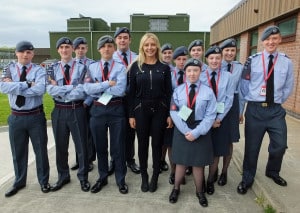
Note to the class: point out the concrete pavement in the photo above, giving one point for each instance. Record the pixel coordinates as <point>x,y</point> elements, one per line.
<point>71,199</point>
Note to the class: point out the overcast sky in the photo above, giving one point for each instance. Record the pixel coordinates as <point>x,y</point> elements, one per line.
<point>33,19</point>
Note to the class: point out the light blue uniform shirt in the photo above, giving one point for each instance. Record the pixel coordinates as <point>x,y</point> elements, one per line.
<point>224,87</point>
<point>205,108</point>
<point>117,72</point>
<point>118,57</point>
<point>67,93</point>
<point>236,74</point>
<point>85,61</point>
<point>34,94</point>
<point>253,77</point>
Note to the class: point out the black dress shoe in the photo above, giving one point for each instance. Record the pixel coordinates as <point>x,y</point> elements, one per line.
<point>164,166</point>
<point>277,179</point>
<point>123,188</point>
<point>59,184</point>
<point>174,196</point>
<point>91,166</point>
<point>172,179</point>
<point>189,170</point>
<point>242,188</point>
<point>222,180</point>
<point>210,188</point>
<point>134,168</point>
<point>45,188</point>
<point>75,166</point>
<point>111,168</point>
<point>13,190</point>
<point>202,199</point>
<point>99,185</point>
<point>85,185</point>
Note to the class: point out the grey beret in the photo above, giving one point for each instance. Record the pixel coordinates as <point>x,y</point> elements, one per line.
<point>166,46</point>
<point>24,45</point>
<point>213,50</point>
<point>103,40</point>
<point>79,40</point>
<point>63,40</point>
<point>192,62</point>
<point>228,43</point>
<point>180,51</point>
<point>195,43</point>
<point>269,31</point>
<point>122,30</point>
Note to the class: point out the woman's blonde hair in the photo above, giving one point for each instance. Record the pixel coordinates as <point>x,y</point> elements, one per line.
<point>141,57</point>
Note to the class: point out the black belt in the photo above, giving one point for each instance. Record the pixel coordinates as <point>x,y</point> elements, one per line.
<point>33,111</point>
<point>262,104</point>
<point>69,105</point>
<point>112,102</point>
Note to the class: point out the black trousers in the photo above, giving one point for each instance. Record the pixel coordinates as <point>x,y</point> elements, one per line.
<point>64,122</point>
<point>21,129</point>
<point>150,121</point>
<point>258,121</point>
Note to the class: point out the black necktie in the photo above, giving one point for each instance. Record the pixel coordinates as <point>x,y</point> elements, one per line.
<point>191,119</point>
<point>270,83</point>
<point>125,58</point>
<point>67,74</point>
<point>213,82</point>
<point>180,79</point>
<point>229,67</point>
<point>105,70</point>
<point>21,99</point>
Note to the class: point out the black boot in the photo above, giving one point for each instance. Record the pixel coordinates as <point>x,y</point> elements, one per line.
<point>202,199</point>
<point>153,183</point>
<point>145,183</point>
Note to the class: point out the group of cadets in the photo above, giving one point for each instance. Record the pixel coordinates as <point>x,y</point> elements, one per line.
<point>189,109</point>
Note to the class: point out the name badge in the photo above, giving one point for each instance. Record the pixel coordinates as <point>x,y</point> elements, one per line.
<point>184,112</point>
<point>263,91</point>
<point>105,98</point>
<point>220,107</point>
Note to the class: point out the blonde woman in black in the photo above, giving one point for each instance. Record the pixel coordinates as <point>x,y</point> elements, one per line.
<point>150,92</point>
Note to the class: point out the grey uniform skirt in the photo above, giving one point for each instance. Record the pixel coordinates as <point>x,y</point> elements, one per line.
<point>197,153</point>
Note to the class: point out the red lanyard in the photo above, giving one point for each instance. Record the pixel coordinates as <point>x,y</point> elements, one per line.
<point>217,83</point>
<point>19,73</point>
<point>123,59</point>
<point>102,70</point>
<point>190,105</point>
<point>266,77</point>
<point>68,82</point>
<point>175,74</point>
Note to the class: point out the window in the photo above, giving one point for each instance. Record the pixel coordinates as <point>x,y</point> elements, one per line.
<point>253,42</point>
<point>158,24</point>
<point>288,28</point>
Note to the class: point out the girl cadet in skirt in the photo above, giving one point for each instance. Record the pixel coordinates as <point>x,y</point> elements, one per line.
<point>150,92</point>
<point>193,111</point>
<point>235,114</point>
<point>221,83</point>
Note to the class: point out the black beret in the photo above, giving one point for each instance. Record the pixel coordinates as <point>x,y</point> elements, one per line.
<point>122,30</point>
<point>195,43</point>
<point>24,45</point>
<point>180,51</point>
<point>79,40</point>
<point>103,40</point>
<point>231,42</point>
<point>192,62</point>
<point>166,46</point>
<point>213,50</point>
<point>63,40</point>
<point>269,31</point>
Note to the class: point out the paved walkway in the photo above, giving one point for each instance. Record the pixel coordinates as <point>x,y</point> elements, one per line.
<point>71,199</point>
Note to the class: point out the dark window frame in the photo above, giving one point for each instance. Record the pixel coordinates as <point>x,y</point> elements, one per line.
<point>290,37</point>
